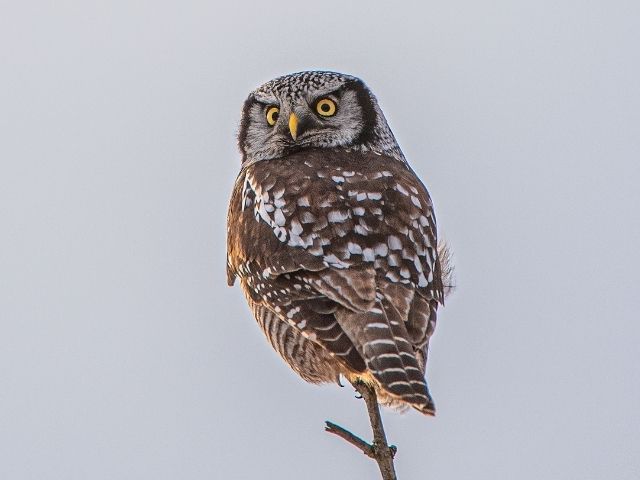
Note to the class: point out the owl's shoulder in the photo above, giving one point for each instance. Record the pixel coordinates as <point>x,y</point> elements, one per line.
<point>329,170</point>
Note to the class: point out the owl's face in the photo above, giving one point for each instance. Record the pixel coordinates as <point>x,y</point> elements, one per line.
<point>313,110</point>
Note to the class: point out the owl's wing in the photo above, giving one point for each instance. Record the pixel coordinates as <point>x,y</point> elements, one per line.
<point>351,237</point>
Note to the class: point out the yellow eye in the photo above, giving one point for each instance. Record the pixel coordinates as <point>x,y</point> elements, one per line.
<point>272,115</point>
<point>326,107</point>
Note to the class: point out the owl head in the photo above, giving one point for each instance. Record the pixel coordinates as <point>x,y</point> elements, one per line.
<point>313,110</point>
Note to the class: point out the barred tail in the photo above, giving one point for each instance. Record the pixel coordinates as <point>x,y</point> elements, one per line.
<point>382,340</point>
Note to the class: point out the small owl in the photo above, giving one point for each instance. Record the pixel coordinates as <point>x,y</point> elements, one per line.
<point>333,237</point>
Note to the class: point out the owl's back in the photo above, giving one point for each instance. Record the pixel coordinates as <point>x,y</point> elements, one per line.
<point>336,252</point>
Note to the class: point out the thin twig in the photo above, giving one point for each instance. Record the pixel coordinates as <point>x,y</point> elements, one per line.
<point>379,450</point>
<point>354,440</point>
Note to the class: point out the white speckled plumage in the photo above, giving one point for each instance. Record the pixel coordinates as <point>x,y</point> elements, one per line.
<point>333,238</point>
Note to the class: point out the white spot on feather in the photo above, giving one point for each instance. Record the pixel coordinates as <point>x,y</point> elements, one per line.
<point>418,264</point>
<point>292,312</point>
<point>278,217</point>
<point>381,250</point>
<point>376,325</point>
<point>394,242</point>
<point>337,216</point>
<point>295,240</point>
<point>392,276</point>
<point>354,248</point>
<point>303,201</point>
<point>401,189</point>
<point>359,229</point>
<point>368,255</point>
<point>382,341</point>
<point>296,227</point>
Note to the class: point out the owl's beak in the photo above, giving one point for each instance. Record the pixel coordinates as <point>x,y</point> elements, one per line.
<point>293,126</point>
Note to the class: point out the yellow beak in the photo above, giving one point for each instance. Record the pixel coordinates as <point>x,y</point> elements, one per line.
<point>293,126</point>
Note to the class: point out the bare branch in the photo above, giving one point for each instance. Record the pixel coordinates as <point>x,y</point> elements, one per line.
<point>354,440</point>
<point>379,450</point>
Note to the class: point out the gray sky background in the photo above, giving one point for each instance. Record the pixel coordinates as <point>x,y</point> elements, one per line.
<point>124,355</point>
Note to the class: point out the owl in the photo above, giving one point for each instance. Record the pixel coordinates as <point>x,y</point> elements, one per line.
<point>332,237</point>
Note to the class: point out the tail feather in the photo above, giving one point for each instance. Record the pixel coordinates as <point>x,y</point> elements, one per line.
<point>382,340</point>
